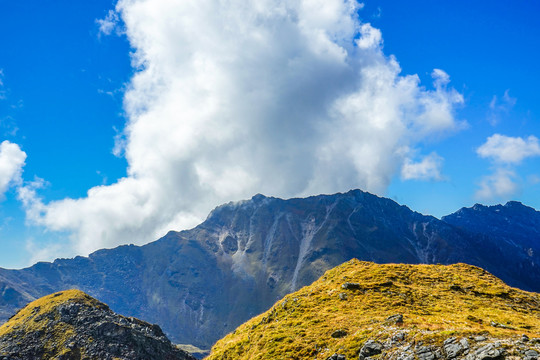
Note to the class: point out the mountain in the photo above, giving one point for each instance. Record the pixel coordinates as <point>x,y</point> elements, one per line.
<point>509,235</point>
<point>71,325</point>
<point>362,310</point>
<point>202,283</point>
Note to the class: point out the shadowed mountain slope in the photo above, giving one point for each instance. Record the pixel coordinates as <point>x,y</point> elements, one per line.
<point>202,283</point>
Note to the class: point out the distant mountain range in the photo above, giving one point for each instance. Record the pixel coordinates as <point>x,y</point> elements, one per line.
<point>200,284</point>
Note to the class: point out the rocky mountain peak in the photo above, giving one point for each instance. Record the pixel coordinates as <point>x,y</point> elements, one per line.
<point>71,325</point>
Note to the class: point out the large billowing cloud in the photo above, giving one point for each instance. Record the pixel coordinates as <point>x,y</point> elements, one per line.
<point>236,97</point>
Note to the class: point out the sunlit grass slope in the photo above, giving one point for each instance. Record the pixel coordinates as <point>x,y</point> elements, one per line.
<point>436,302</point>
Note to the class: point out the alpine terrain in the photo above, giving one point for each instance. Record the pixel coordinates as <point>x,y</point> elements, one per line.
<point>71,325</point>
<point>362,310</point>
<point>200,284</point>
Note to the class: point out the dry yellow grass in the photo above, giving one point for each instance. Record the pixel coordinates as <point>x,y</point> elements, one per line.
<point>39,315</point>
<point>436,302</point>
<point>28,317</point>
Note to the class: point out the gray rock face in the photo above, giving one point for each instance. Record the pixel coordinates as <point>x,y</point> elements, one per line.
<point>427,353</point>
<point>452,348</point>
<point>489,352</point>
<point>202,283</point>
<point>531,355</point>
<point>370,348</point>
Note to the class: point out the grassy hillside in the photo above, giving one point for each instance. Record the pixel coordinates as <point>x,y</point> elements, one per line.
<point>361,301</point>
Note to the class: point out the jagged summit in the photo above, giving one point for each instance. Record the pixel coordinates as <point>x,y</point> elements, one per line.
<point>511,207</point>
<point>362,310</point>
<point>71,325</point>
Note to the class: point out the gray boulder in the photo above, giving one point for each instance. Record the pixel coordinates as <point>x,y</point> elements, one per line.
<point>370,348</point>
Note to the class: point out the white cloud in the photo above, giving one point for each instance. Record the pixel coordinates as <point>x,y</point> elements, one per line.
<point>233,98</point>
<point>109,23</point>
<point>506,153</point>
<point>499,186</point>
<point>509,150</point>
<point>370,37</point>
<point>12,161</point>
<point>499,107</point>
<point>27,194</point>
<point>38,252</point>
<point>427,169</point>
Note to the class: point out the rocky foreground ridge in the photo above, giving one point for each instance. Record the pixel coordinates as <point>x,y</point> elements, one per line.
<point>362,310</point>
<point>71,325</point>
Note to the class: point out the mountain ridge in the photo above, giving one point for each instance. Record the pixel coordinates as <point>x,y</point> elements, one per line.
<point>201,283</point>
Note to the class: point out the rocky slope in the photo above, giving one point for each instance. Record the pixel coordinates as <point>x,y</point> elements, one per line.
<point>362,310</point>
<point>202,283</point>
<point>71,325</point>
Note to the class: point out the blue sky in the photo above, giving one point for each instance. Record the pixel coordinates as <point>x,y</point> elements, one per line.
<point>142,116</point>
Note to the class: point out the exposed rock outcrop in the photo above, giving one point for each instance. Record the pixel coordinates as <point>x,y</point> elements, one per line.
<point>71,325</point>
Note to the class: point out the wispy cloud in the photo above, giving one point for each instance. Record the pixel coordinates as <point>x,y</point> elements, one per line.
<point>505,153</point>
<point>501,184</point>
<point>429,168</point>
<point>499,107</point>
<point>230,99</point>
<point>2,90</point>
<point>109,24</point>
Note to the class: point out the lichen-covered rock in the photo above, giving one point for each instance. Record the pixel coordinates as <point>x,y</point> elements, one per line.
<point>71,325</point>
<point>351,286</point>
<point>339,333</point>
<point>395,319</point>
<point>427,353</point>
<point>491,351</point>
<point>370,348</point>
<point>531,355</point>
<point>453,347</point>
